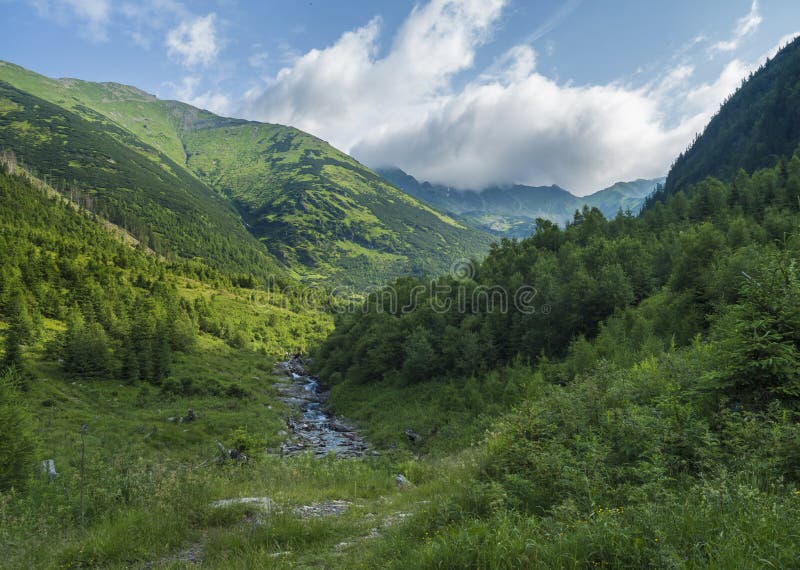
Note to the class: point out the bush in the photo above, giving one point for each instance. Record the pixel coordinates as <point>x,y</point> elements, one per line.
<point>18,444</point>
<point>246,442</point>
<point>760,335</point>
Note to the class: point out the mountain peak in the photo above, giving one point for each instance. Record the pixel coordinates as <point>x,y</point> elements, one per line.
<point>275,191</point>
<point>511,210</point>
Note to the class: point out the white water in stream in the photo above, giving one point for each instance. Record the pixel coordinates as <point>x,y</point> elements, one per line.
<point>316,430</point>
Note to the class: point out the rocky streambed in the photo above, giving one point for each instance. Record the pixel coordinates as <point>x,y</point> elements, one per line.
<point>315,429</point>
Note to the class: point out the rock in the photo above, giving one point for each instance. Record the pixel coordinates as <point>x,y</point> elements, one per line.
<point>172,419</point>
<point>231,454</point>
<point>264,503</point>
<point>315,430</point>
<point>395,518</point>
<point>413,436</point>
<point>49,467</point>
<point>325,509</point>
<point>340,427</point>
<point>189,556</point>
<point>401,481</point>
<point>237,455</point>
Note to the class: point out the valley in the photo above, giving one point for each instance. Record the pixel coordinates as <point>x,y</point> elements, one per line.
<point>225,343</point>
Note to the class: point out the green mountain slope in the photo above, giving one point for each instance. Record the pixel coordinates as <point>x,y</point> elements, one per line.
<point>757,126</point>
<point>111,103</point>
<point>324,215</point>
<point>130,183</point>
<point>315,206</point>
<point>59,260</point>
<point>511,211</point>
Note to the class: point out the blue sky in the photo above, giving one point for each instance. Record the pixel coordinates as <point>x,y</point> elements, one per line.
<point>462,92</point>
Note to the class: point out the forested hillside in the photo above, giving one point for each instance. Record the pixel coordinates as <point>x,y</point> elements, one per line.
<point>646,377</point>
<point>86,294</point>
<point>755,128</point>
<point>123,369</point>
<point>129,183</point>
<point>326,218</point>
<point>667,270</point>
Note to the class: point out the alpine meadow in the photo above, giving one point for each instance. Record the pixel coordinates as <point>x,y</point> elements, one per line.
<point>541,310</point>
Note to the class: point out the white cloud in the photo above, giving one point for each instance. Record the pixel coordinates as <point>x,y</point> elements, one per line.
<point>186,91</point>
<point>194,41</point>
<point>783,42</point>
<point>554,21</point>
<point>146,20</point>
<point>709,96</point>
<point>410,107</point>
<point>536,131</point>
<point>339,91</point>
<point>94,14</point>
<point>746,25</point>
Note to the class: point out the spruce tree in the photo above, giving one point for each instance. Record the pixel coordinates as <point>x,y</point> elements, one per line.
<point>12,357</point>
<point>86,347</point>
<point>129,364</point>
<point>161,357</point>
<point>18,445</point>
<point>20,331</point>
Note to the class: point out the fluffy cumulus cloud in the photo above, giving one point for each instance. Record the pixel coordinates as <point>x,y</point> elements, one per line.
<point>345,92</point>
<point>194,42</point>
<point>531,129</point>
<point>409,107</point>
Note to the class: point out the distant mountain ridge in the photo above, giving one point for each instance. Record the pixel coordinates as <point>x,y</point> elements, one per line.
<point>511,211</point>
<point>240,195</point>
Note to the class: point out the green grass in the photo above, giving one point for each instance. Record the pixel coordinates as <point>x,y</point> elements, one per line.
<point>713,525</point>
<point>150,483</point>
<point>448,417</point>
